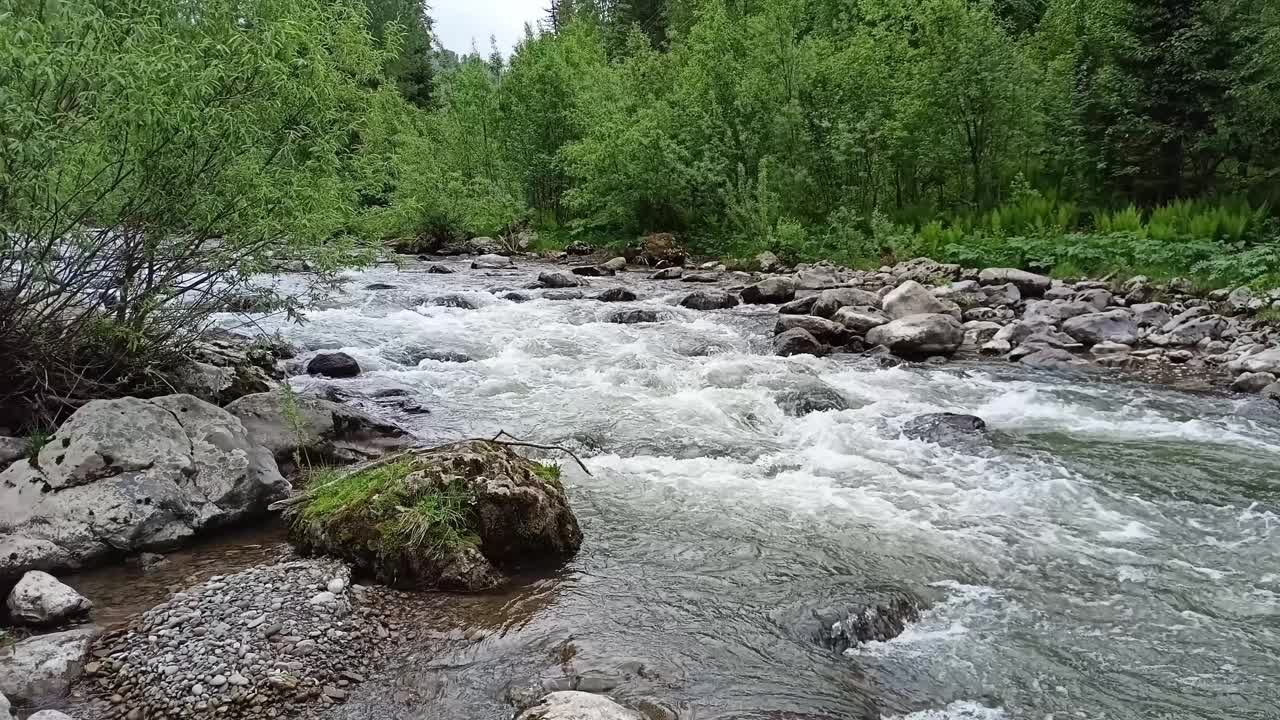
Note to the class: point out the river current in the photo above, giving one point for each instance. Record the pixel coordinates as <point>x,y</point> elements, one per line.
<point>1114,553</point>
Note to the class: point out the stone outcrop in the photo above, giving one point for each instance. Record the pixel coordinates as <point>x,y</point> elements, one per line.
<point>500,512</point>
<point>42,668</point>
<point>292,426</point>
<point>126,475</point>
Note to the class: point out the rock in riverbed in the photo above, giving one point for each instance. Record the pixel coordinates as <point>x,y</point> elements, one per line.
<point>126,475</point>
<point>43,667</point>
<point>919,335</point>
<point>334,365</point>
<point>39,599</point>
<point>945,428</point>
<point>502,511</point>
<point>709,300</point>
<point>324,431</point>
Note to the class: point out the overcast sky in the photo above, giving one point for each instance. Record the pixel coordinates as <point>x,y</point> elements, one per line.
<point>457,22</point>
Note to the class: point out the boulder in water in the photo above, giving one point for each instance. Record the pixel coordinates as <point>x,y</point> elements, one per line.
<point>617,264</point>
<point>1266,361</point>
<point>844,628</point>
<point>799,306</point>
<point>797,341</point>
<point>567,294</point>
<point>334,365</point>
<point>811,398</point>
<point>945,428</point>
<point>576,705</point>
<point>709,300</point>
<point>455,301</point>
<point>289,424</point>
<point>592,271</point>
<point>1253,382</point>
<point>557,279</point>
<point>441,269</point>
<point>772,291</point>
<point>39,599</point>
<point>826,331</point>
<point>631,317</point>
<point>491,262</point>
<point>919,335</point>
<point>671,273</point>
<point>702,277</point>
<point>453,517</point>
<point>616,295</point>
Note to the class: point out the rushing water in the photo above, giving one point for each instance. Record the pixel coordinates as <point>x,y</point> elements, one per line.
<point>1114,554</point>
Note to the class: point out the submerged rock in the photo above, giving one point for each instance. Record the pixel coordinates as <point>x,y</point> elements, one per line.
<point>461,302</point>
<point>945,428</point>
<point>575,705</point>
<point>453,517</point>
<point>42,668</point>
<point>814,397</point>
<point>841,629</point>
<point>334,365</point>
<point>39,599</point>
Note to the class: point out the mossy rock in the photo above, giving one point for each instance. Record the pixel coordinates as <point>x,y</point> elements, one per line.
<point>455,517</point>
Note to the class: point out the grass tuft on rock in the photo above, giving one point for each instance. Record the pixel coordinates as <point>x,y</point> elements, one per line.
<point>406,513</point>
<point>549,472</point>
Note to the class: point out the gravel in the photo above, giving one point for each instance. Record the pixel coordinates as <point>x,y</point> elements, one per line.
<point>272,641</point>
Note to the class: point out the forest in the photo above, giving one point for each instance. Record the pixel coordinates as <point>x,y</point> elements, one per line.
<point>154,151</point>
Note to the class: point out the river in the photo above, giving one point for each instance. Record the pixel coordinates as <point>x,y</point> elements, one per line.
<point>1115,552</point>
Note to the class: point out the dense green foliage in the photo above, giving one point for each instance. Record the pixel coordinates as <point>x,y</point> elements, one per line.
<point>155,154</point>
<point>1077,134</point>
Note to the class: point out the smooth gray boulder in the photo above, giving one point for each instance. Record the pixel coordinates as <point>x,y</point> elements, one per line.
<point>616,264</point>
<point>912,298</point>
<point>1151,314</point>
<point>1009,337</point>
<point>771,291</point>
<point>671,273</point>
<point>575,705</point>
<point>39,599</point>
<point>768,262</point>
<point>831,301</point>
<point>1190,327</point>
<point>617,295</point>
<point>558,279</point>
<point>1054,312</point>
<point>1267,361</point>
<point>859,319</point>
<point>919,335</point>
<point>1050,358</point>
<point>1029,284</point>
<point>799,306</point>
<point>1253,382</point>
<point>1005,295</point>
<point>321,431</point>
<point>810,398</point>
<point>492,262</point>
<point>126,475</point>
<point>1099,298</point>
<point>42,668</point>
<point>978,332</point>
<point>1117,326</point>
